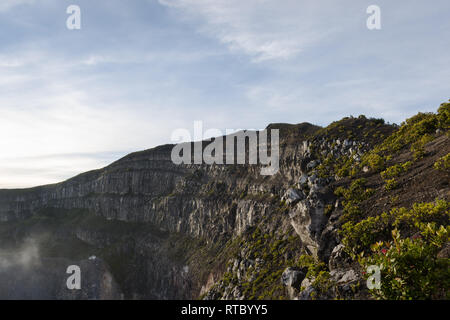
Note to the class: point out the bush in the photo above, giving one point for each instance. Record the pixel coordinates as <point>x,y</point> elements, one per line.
<point>396,170</point>
<point>317,271</point>
<point>443,163</point>
<point>444,116</point>
<point>359,236</point>
<point>391,184</point>
<point>375,161</point>
<point>426,212</point>
<point>417,129</point>
<point>410,268</point>
<point>356,193</point>
<point>417,148</point>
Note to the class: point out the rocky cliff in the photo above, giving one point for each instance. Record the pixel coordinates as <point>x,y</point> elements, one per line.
<point>165,231</point>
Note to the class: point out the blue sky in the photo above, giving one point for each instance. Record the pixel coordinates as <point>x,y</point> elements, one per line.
<point>75,100</point>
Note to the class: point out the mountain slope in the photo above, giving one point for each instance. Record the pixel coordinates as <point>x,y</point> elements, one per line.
<point>166,231</point>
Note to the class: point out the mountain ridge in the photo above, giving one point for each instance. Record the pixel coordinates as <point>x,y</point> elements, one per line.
<point>166,231</point>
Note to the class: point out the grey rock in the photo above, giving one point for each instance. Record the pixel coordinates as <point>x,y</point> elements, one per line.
<point>348,276</point>
<point>306,294</point>
<point>303,180</point>
<point>293,277</point>
<point>347,143</point>
<point>292,196</point>
<point>308,220</point>
<point>312,180</point>
<point>339,258</point>
<point>328,241</point>
<point>311,165</point>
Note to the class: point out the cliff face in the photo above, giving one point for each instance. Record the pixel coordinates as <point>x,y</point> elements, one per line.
<point>166,231</point>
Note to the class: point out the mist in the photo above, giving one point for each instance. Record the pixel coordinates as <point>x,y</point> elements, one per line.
<point>25,257</point>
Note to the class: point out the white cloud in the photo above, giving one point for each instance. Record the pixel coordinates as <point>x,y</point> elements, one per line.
<point>5,5</point>
<point>263,29</point>
<point>18,172</point>
<point>99,91</point>
<point>49,108</point>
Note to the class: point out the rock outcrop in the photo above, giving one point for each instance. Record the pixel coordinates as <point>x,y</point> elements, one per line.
<point>166,231</point>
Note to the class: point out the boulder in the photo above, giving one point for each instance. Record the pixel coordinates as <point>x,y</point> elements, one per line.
<point>293,277</point>
<point>348,276</point>
<point>308,220</point>
<point>312,180</point>
<point>292,196</point>
<point>312,164</point>
<point>339,258</point>
<point>306,293</point>
<point>303,180</point>
<point>347,143</point>
<point>328,241</point>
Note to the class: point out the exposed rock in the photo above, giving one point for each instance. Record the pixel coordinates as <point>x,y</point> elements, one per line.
<point>347,143</point>
<point>311,165</point>
<point>195,211</point>
<point>339,258</point>
<point>308,219</point>
<point>328,240</point>
<point>349,276</point>
<point>292,196</point>
<point>307,293</point>
<point>293,277</point>
<point>303,180</point>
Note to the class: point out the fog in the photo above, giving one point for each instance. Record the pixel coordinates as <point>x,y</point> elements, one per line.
<point>25,256</point>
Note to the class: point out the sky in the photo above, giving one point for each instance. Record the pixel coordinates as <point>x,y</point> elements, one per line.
<point>76,100</point>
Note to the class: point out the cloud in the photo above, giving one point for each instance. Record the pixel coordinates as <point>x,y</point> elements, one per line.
<point>138,70</point>
<point>6,5</point>
<point>265,30</point>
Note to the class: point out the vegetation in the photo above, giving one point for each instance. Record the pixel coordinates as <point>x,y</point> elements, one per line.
<point>404,237</point>
<point>352,197</point>
<point>410,267</point>
<point>396,170</point>
<point>443,163</point>
<point>359,236</point>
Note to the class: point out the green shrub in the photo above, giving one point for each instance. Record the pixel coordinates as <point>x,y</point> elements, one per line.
<point>328,209</point>
<point>417,130</point>
<point>410,268</point>
<point>353,195</point>
<point>444,116</point>
<point>418,147</point>
<point>425,212</point>
<point>443,163</point>
<point>396,170</point>
<point>391,184</point>
<point>375,161</point>
<point>359,236</point>
<point>314,267</point>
